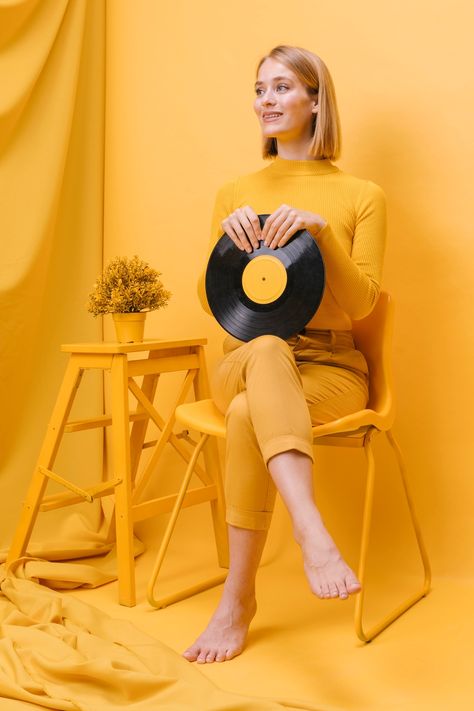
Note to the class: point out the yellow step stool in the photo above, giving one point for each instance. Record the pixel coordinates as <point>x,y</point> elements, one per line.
<point>149,359</point>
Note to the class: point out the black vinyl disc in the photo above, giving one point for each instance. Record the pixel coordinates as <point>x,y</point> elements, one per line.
<point>267,291</point>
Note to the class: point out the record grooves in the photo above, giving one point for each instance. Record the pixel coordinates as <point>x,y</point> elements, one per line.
<point>266,291</point>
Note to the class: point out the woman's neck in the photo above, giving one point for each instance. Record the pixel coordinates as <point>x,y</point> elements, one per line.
<point>296,150</point>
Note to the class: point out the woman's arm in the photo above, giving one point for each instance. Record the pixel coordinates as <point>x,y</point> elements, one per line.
<point>354,279</point>
<point>352,276</point>
<point>223,206</point>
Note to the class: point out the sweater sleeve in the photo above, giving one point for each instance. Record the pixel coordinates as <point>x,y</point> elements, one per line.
<point>354,279</point>
<point>223,206</point>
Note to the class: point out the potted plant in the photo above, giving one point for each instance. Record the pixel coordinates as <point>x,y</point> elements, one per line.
<point>127,289</point>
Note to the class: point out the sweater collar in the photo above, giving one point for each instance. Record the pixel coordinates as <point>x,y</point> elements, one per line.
<point>287,167</point>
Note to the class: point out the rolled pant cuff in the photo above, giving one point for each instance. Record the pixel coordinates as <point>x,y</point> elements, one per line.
<point>285,444</point>
<point>254,520</point>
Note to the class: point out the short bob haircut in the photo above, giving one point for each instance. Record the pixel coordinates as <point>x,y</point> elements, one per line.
<point>313,73</point>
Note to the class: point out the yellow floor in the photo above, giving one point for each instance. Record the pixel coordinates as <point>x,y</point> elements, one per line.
<point>304,648</point>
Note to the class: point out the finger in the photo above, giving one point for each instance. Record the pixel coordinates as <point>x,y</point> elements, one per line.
<point>254,222</point>
<point>288,235</point>
<point>269,222</point>
<point>274,222</point>
<point>282,232</point>
<point>266,227</point>
<point>237,234</point>
<point>248,228</point>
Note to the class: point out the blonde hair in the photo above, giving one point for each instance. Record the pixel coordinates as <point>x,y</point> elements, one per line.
<point>314,74</point>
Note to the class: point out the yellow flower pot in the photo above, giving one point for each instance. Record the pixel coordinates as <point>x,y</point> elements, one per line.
<point>129,327</point>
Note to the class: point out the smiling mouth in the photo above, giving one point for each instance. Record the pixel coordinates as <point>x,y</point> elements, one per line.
<point>272,117</point>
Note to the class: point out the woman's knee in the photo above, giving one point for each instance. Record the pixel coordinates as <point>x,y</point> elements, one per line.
<point>238,410</point>
<point>270,347</point>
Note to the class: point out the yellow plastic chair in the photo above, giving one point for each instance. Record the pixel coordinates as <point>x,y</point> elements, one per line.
<point>372,336</point>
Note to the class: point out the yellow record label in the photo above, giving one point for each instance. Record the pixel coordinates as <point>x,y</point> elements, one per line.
<point>264,279</point>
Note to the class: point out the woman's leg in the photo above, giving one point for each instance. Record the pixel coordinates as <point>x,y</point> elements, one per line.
<point>328,574</point>
<point>226,633</point>
<point>265,369</point>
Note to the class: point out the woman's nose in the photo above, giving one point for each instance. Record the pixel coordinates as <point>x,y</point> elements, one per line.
<point>268,98</point>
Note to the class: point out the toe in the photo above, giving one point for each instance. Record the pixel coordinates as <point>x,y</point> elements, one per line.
<point>342,590</point>
<point>231,653</point>
<point>326,590</point>
<point>352,584</point>
<point>191,654</point>
<point>211,657</point>
<point>202,656</point>
<point>221,655</point>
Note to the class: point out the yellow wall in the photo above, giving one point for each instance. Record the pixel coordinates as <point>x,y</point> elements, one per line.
<point>180,122</point>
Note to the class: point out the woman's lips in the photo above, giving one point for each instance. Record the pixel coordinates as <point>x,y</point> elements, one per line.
<point>272,117</point>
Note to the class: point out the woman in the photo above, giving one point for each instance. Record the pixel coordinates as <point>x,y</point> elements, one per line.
<point>272,390</point>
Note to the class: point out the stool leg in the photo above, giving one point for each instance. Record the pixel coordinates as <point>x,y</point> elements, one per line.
<point>49,449</point>
<point>123,491</point>
<point>139,428</point>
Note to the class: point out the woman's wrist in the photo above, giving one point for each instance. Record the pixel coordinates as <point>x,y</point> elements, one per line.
<point>318,227</point>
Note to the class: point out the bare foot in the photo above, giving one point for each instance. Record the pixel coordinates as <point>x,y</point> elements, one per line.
<point>328,574</point>
<point>225,636</point>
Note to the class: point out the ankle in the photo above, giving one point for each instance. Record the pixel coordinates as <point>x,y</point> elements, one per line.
<point>313,533</point>
<point>236,594</point>
<point>308,524</point>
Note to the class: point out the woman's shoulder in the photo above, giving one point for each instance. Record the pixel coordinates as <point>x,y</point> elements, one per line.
<point>359,191</point>
<point>359,184</point>
<point>243,178</point>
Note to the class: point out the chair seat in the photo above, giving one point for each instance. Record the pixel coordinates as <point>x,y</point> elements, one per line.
<point>202,416</point>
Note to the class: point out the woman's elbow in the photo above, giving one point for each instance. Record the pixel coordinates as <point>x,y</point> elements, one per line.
<point>361,307</point>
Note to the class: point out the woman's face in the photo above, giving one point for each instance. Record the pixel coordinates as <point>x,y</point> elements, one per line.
<point>279,91</point>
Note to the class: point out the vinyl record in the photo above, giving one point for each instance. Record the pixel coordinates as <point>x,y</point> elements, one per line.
<point>266,291</point>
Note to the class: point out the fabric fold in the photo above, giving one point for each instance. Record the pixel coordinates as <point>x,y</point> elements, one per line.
<point>58,652</point>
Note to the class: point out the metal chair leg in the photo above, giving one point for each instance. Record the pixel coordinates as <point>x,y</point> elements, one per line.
<point>199,587</point>
<point>368,635</point>
<point>411,506</point>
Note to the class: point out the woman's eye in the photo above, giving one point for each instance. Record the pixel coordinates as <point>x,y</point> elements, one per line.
<point>282,86</point>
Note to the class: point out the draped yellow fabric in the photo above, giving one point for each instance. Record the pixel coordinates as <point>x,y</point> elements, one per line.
<point>57,652</point>
<point>51,215</point>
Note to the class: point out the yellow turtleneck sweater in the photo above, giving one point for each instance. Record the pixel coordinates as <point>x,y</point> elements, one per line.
<point>352,243</point>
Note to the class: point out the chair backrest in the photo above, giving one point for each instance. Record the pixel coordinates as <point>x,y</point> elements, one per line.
<point>373,337</point>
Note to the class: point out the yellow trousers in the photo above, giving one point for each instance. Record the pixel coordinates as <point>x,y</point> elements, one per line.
<point>272,391</point>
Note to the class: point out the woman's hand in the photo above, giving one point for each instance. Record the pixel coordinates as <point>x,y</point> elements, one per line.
<point>243,227</point>
<point>282,224</point>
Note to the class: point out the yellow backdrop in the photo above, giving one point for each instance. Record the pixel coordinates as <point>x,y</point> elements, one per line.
<point>118,122</point>
<point>180,122</point>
